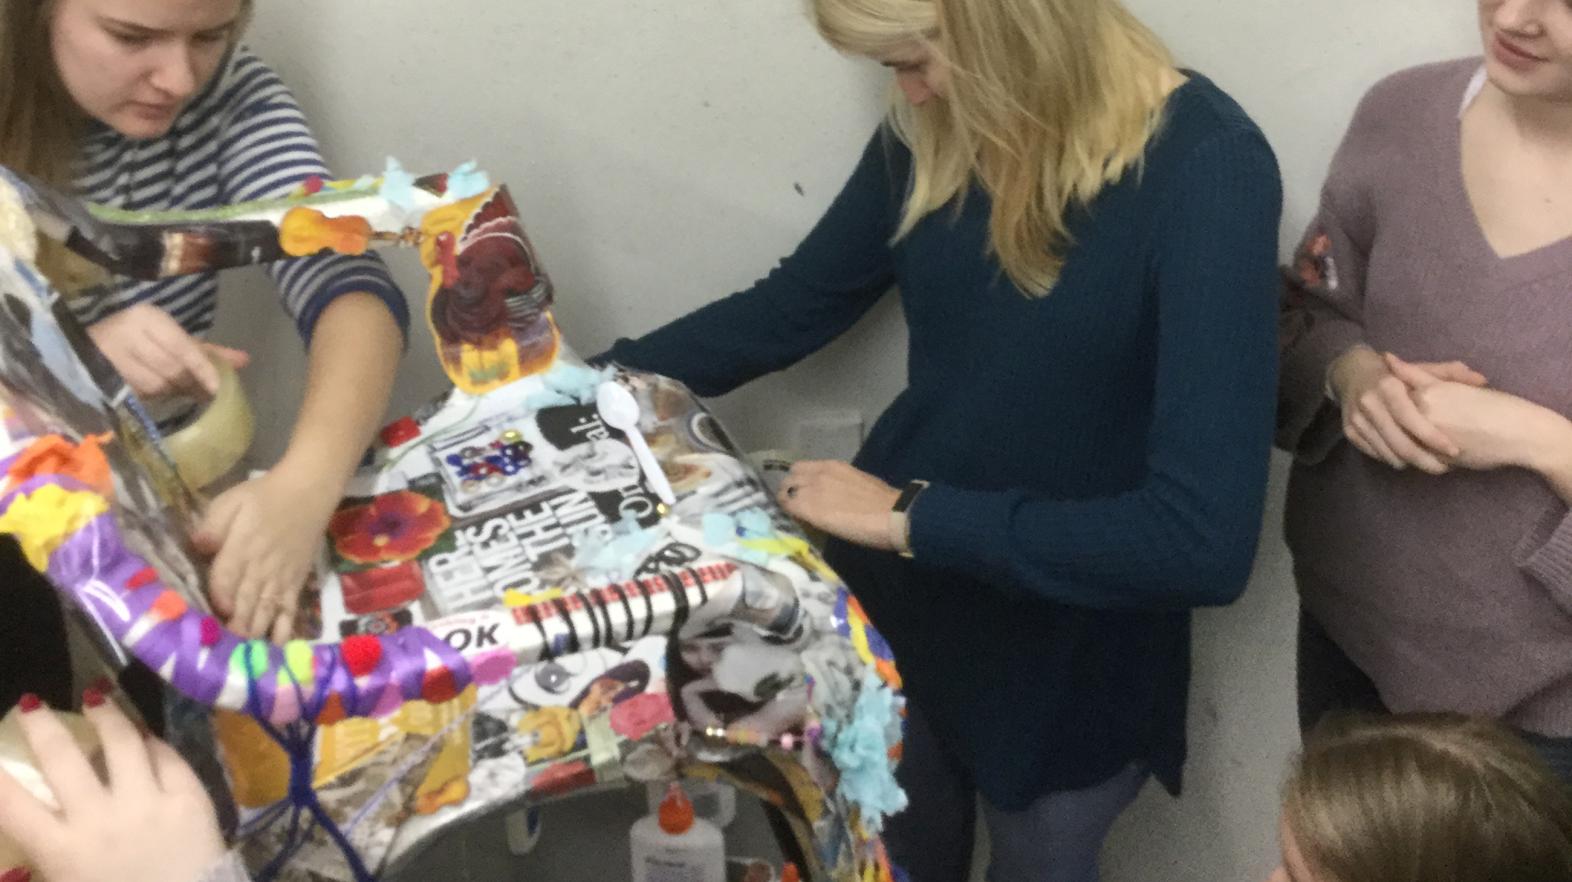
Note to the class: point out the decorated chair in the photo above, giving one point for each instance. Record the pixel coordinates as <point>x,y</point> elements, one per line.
<point>551,579</point>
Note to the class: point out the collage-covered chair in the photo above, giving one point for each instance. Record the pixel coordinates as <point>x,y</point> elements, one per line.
<point>551,579</point>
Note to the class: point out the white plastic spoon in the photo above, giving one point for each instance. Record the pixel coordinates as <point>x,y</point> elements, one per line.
<point>620,410</point>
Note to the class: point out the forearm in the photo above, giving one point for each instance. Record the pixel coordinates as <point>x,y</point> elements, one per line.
<point>354,353</point>
<point>1554,461</point>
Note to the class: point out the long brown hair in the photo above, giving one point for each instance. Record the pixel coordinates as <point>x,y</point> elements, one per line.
<point>1427,798</point>
<point>39,123</point>
<point>41,126</point>
<point>1048,102</point>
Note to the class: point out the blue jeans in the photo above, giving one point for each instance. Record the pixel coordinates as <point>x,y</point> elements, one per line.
<point>1058,838</point>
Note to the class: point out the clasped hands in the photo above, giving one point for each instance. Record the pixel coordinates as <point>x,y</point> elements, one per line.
<point>1440,416</point>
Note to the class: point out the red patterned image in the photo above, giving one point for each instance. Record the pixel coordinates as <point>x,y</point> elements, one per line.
<point>393,527</point>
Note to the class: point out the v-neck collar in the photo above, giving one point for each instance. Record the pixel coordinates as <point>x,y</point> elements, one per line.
<point>1548,259</point>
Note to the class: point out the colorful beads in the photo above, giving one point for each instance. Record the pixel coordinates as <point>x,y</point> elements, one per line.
<point>491,463</point>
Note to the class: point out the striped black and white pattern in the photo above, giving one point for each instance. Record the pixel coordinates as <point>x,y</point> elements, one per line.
<point>243,138</point>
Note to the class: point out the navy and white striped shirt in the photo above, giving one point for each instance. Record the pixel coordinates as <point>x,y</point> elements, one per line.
<point>243,137</point>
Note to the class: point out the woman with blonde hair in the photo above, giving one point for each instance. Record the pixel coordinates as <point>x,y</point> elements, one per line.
<point>1084,240</point>
<point>1423,798</point>
<point>146,105</point>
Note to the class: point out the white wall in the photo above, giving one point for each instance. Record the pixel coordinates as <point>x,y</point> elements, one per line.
<point>667,153</point>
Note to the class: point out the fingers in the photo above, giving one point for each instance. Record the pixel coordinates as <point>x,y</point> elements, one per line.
<point>1400,439</point>
<point>1413,375</point>
<point>67,770</point>
<point>799,485</point>
<point>24,819</point>
<point>184,354</point>
<point>213,538</point>
<point>1405,412</point>
<point>235,358</point>
<point>1368,440</point>
<point>251,607</point>
<point>1427,373</point>
<point>284,625</point>
<point>170,771</point>
<point>125,750</point>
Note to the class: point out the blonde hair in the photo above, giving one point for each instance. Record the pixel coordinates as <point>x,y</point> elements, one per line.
<point>1047,102</point>
<point>1427,798</point>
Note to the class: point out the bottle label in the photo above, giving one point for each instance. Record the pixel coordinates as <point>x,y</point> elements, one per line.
<point>659,870</point>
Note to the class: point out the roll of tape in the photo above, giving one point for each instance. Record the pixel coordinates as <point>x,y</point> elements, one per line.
<point>211,446</point>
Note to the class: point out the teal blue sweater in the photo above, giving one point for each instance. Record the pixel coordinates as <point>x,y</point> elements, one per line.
<point>1098,456</point>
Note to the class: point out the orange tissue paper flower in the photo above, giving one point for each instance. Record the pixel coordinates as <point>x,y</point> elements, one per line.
<point>54,455</point>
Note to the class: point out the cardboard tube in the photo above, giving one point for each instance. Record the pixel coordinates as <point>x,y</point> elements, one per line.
<point>211,446</point>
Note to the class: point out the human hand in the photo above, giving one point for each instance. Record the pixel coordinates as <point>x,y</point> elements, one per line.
<point>840,500</point>
<point>264,535</point>
<point>156,356</point>
<point>1380,417</point>
<point>1492,429</point>
<point>151,821</point>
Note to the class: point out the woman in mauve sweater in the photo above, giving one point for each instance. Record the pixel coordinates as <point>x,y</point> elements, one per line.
<point>1084,241</point>
<point>1426,387</point>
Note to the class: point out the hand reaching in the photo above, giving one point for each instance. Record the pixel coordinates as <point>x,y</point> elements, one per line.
<point>841,500</point>
<point>265,535</point>
<point>150,821</point>
<point>156,356</point>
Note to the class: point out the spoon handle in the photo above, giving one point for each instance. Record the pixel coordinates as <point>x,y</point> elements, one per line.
<point>651,466</point>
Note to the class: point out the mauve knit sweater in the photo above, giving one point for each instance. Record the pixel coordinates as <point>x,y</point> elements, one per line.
<point>1451,592</point>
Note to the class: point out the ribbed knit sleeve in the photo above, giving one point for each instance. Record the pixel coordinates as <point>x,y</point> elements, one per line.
<point>1187,535</point>
<point>833,278</point>
<point>1546,554</point>
<point>267,149</point>
<point>1323,302</point>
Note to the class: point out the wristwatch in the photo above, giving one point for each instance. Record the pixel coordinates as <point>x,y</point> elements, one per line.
<point>900,527</point>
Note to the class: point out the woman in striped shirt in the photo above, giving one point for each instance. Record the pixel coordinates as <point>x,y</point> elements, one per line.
<point>149,105</point>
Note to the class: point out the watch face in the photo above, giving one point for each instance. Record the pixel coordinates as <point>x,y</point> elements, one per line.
<point>908,494</point>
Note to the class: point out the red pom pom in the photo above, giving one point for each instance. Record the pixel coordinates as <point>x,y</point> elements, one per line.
<point>362,653</point>
<point>313,185</point>
<point>439,686</point>
<point>211,631</point>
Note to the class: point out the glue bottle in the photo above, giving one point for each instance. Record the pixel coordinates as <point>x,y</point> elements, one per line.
<point>714,801</point>
<point>674,846</point>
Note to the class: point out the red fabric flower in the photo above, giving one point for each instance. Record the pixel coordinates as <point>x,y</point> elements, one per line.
<point>634,718</point>
<point>392,527</point>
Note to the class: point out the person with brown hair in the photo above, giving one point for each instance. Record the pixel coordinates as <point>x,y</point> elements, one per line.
<point>148,106</point>
<point>1423,798</point>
